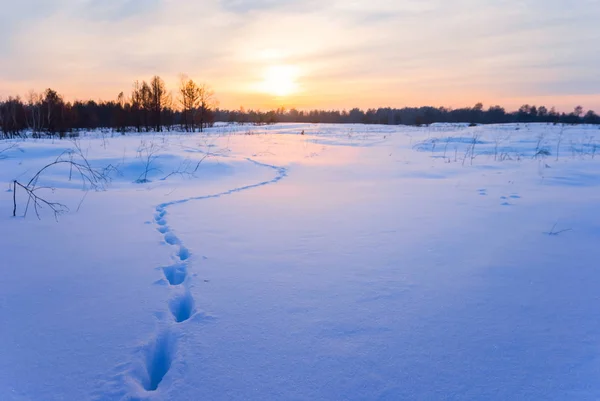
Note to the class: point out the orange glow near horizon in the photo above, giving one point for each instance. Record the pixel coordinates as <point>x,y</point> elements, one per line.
<point>282,86</point>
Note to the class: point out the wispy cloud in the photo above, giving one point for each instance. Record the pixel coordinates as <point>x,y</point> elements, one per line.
<point>244,6</point>
<point>116,10</point>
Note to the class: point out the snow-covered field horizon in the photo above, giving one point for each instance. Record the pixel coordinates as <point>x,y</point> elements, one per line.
<point>303,262</point>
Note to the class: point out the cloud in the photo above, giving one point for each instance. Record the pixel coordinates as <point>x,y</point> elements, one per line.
<point>116,10</point>
<point>245,6</point>
<point>400,51</point>
<point>19,14</point>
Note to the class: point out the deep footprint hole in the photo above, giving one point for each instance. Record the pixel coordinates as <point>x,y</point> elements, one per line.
<point>175,274</point>
<point>183,254</point>
<point>171,239</point>
<point>158,360</point>
<point>182,307</point>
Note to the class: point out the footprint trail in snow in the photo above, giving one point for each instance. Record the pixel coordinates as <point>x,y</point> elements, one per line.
<point>160,352</point>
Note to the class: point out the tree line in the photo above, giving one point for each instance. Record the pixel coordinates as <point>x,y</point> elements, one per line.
<point>149,107</point>
<point>193,107</point>
<point>413,116</point>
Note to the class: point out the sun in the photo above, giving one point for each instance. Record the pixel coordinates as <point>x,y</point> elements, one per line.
<point>280,80</point>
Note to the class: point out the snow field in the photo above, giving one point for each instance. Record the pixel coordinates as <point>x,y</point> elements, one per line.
<point>351,262</point>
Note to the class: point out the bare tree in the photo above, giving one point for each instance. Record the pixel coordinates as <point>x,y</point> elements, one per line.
<point>207,103</point>
<point>34,112</point>
<point>136,105</point>
<point>120,120</point>
<point>189,98</point>
<point>159,101</point>
<point>52,109</point>
<point>147,104</point>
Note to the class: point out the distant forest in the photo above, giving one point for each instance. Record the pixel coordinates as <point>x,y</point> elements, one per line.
<point>193,107</point>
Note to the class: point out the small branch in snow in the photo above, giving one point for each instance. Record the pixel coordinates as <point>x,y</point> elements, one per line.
<point>11,146</point>
<point>556,233</point>
<point>186,168</point>
<point>148,152</point>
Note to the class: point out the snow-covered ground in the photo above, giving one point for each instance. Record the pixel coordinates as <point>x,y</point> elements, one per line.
<point>349,263</point>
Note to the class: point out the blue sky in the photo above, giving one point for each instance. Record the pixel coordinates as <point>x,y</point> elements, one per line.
<point>339,53</point>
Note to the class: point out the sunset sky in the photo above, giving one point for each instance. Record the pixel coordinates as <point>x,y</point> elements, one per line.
<point>310,53</point>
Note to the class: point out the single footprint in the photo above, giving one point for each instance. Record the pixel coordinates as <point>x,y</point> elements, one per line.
<point>175,274</point>
<point>182,307</point>
<point>183,253</point>
<point>171,239</point>
<point>159,356</point>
